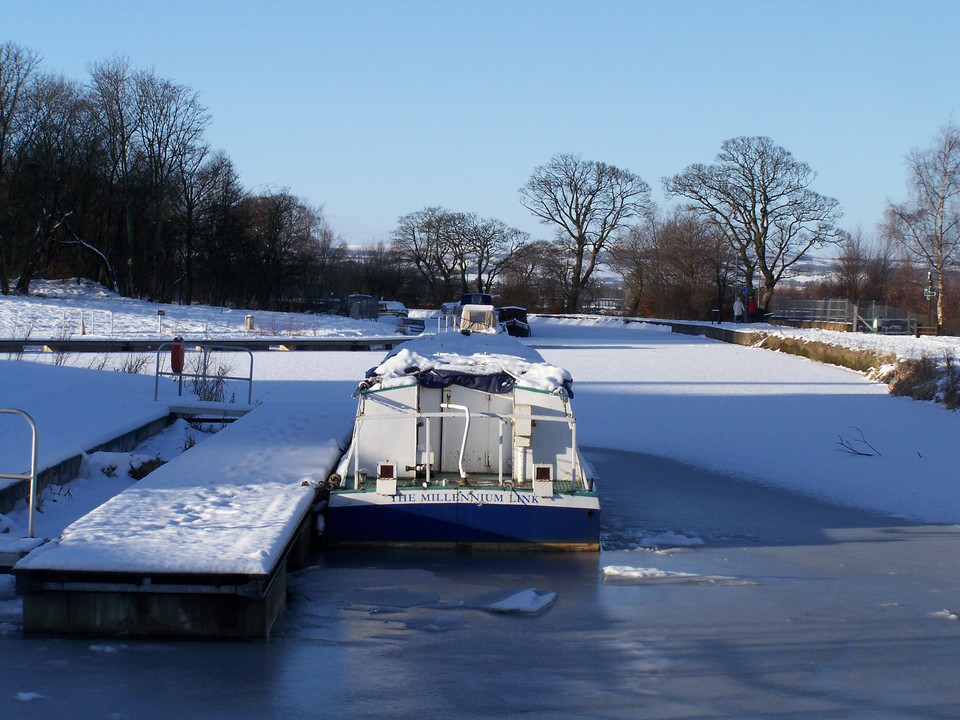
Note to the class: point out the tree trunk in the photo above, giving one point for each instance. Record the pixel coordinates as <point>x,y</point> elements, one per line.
<point>4,282</point>
<point>939,330</point>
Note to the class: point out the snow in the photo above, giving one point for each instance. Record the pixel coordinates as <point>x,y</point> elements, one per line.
<point>626,574</point>
<point>27,696</point>
<point>474,354</point>
<point>666,539</point>
<point>642,573</point>
<point>65,308</point>
<point>903,346</point>
<point>756,415</point>
<point>759,415</point>
<point>229,505</point>
<point>102,475</point>
<point>58,398</point>
<point>528,602</point>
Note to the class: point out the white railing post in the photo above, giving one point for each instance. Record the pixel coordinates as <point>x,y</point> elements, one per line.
<point>427,444</point>
<point>32,476</point>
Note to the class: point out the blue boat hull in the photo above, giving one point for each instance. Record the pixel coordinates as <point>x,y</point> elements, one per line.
<point>364,519</point>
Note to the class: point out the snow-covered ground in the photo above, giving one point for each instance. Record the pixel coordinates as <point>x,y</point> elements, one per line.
<point>68,309</point>
<point>903,346</point>
<point>764,416</point>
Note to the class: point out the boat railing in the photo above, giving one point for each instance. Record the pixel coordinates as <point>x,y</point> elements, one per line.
<point>466,430</point>
<point>576,469</point>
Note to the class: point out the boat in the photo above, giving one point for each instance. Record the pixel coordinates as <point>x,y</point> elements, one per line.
<point>479,319</point>
<point>468,441</point>
<point>514,320</point>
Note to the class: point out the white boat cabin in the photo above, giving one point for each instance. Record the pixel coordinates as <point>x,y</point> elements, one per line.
<point>463,411</point>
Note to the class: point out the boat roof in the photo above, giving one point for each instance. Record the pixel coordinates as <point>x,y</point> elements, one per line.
<point>492,363</point>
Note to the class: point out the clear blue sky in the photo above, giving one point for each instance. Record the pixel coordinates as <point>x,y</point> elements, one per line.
<point>376,109</point>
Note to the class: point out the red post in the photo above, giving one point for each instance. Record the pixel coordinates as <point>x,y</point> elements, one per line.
<point>176,355</point>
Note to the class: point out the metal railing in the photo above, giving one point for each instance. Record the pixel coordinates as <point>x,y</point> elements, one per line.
<point>577,476</point>
<point>200,371</point>
<point>865,316</point>
<point>32,475</point>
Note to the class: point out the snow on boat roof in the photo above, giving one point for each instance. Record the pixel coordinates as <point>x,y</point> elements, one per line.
<point>434,359</point>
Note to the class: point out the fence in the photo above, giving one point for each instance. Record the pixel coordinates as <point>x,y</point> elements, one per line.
<point>200,370</point>
<point>844,314</point>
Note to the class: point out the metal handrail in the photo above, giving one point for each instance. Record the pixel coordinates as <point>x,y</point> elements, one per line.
<point>466,429</point>
<point>576,470</point>
<point>206,348</point>
<point>32,476</point>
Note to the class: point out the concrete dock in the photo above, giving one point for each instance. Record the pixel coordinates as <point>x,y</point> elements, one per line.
<point>201,547</point>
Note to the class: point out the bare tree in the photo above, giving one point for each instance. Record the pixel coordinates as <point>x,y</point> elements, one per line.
<point>53,150</point>
<point>117,113</point>
<point>379,271</point>
<point>760,198</point>
<point>723,264</point>
<point>17,68</point>
<point>588,202</point>
<point>224,225</point>
<point>928,225</point>
<point>428,240</point>
<point>632,257</point>
<point>322,254</point>
<point>171,127</point>
<point>193,186</point>
<point>672,267</point>
<point>851,266</point>
<point>528,279</point>
<point>487,247</point>
<point>881,268</point>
